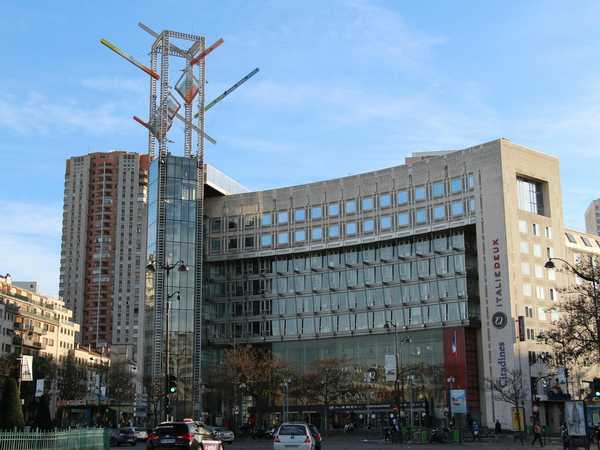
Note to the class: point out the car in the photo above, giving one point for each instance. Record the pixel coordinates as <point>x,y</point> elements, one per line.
<point>223,434</point>
<point>175,435</point>
<point>316,435</point>
<point>125,435</point>
<point>141,434</point>
<point>294,436</point>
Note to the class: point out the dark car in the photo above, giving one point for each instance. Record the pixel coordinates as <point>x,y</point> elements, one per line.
<point>316,436</point>
<point>175,435</point>
<point>123,436</point>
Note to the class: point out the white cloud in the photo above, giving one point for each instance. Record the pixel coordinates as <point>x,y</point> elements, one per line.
<point>29,239</point>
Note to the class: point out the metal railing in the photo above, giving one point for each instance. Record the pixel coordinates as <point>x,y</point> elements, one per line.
<point>74,439</point>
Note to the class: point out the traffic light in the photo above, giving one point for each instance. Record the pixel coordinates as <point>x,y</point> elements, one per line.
<point>172,384</point>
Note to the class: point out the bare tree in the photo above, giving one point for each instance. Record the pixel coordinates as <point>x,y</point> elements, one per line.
<point>510,389</point>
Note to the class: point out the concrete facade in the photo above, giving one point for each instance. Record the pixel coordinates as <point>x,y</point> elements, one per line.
<point>592,217</point>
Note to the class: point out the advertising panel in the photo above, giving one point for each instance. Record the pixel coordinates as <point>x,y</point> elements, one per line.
<point>26,368</point>
<point>575,418</point>
<point>390,367</point>
<point>458,401</point>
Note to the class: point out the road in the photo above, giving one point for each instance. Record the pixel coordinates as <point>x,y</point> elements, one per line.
<point>356,442</point>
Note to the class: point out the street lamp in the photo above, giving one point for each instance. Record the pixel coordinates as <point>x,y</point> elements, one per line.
<point>592,279</point>
<point>399,400</point>
<point>286,405</point>
<point>181,267</point>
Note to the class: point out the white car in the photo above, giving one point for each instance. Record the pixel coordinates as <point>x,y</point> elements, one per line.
<point>141,434</point>
<point>293,436</point>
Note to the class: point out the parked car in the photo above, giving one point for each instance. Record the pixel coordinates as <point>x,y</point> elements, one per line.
<point>124,435</point>
<point>294,435</point>
<point>316,436</point>
<point>175,435</point>
<point>141,434</point>
<point>223,434</point>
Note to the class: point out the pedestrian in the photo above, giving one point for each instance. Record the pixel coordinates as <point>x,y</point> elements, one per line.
<point>475,431</point>
<point>537,434</point>
<point>497,427</point>
<point>564,436</point>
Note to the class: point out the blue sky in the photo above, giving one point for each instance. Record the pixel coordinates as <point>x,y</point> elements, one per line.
<point>344,87</point>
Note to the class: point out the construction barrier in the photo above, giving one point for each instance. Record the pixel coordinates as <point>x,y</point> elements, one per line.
<point>75,439</point>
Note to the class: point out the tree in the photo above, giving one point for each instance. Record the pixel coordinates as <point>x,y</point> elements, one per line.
<point>73,384</point>
<point>120,385</point>
<point>11,414</point>
<point>328,380</point>
<point>510,390</point>
<point>575,337</point>
<point>43,420</point>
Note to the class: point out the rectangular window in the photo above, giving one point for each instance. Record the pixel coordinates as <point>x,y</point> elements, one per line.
<point>333,209</point>
<point>266,240</point>
<point>471,181</point>
<point>266,219</point>
<point>350,229</point>
<point>403,219</point>
<point>233,223</point>
<point>537,250</point>
<point>215,245</point>
<point>316,213</point>
<point>457,208</point>
<point>368,203</point>
<point>524,247</point>
<point>420,216</point>
<point>385,222</point>
<point>438,189</point>
<point>215,225</point>
<point>472,204</point>
<point>527,290</point>
<point>535,229</point>
<point>530,195</point>
<point>232,243</point>
<point>316,233</point>
<point>282,217</point>
<point>540,293</point>
<point>525,268</point>
<point>539,271</point>
<point>548,232</point>
<point>439,212</point>
<point>368,225</point>
<point>350,206</point>
<point>523,226</point>
<point>420,193</point>
<point>299,236</point>
<point>402,197</point>
<point>283,238</point>
<point>249,221</point>
<point>249,242</point>
<point>385,200</point>
<point>299,215</point>
<point>570,238</point>
<point>456,185</point>
<point>333,231</point>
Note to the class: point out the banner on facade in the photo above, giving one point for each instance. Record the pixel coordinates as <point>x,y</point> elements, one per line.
<point>26,368</point>
<point>575,418</point>
<point>39,387</point>
<point>458,401</point>
<point>390,367</point>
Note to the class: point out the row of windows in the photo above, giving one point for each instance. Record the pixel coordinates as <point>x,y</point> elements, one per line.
<point>420,216</point>
<point>435,190</point>
<point>542,313</point>
<point>536,229</point>
<point>540,292</point>
<point>376,320</point>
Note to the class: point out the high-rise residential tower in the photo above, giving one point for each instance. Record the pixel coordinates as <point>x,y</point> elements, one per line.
<point>103,245</point>
<point>592,217</point>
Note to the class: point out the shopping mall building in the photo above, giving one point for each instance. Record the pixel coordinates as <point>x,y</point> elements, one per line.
<point>447,249</point>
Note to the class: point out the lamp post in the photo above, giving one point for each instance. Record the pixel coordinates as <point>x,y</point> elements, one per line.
<point>286,405</point>
<point>399,397</point>
<point>181,267</point>
<point>592,279</point>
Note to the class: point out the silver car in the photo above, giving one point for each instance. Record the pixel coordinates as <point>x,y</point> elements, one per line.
<point>223,434</point>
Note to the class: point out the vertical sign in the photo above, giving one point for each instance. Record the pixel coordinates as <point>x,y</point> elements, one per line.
<point>26,368</point>
<point>458,401</point>
<point>39,387</point>
<point>390,367</point>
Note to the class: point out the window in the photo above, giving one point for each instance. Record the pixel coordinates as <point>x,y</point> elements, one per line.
<point>316,234</point>
<point>535,229</point>
<point>552,294</point>
<point>472,204</point>
<point>333,209</point>
<point>528,311</point>
<point>471,181</point>
<point>316,213</point>
<point>266,220</point>
<point>525,268</point>
<point>421,216</point>
<point>540,292</point>
<point>385,200</point>
<point>552,274</point>
<point>402,197</point>
<point>350,207</point>
<point>523,226</point>
<point>456,185</point>
<point>250,221</point>
<point>249,242</point>
<point>215,225</point>
<point>299,236</point>
<point>586,241</point>
<point>385,222</point>
<point>215,245</point>
<point>368,203</point>
<point>524,247</point>
<point>527,290</point>
<point>549,252</point>
<point>548,232</point>
<point>530,196</point>
<point>299,215</point>
<point>403,219</point>
<point>266,240</point>
<point>570,238</point>
<point>282,217</point>
<point>232,243</point>
<point>438,189</point>
<point>283,238</point>
<point>420,193</point>
<point>439,212</point>
<point>457,208</point>
<point>333,231</point>
<point>350,229</point>
<point>368,225</point>
<point>233,223</point>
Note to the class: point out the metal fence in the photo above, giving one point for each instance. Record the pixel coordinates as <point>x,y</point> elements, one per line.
<point>74,439</point>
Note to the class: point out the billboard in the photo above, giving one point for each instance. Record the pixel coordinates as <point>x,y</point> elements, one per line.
<point>458,401</point>
<point>575,418</point>
<point>390,367</point>
<point>26,368</point>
